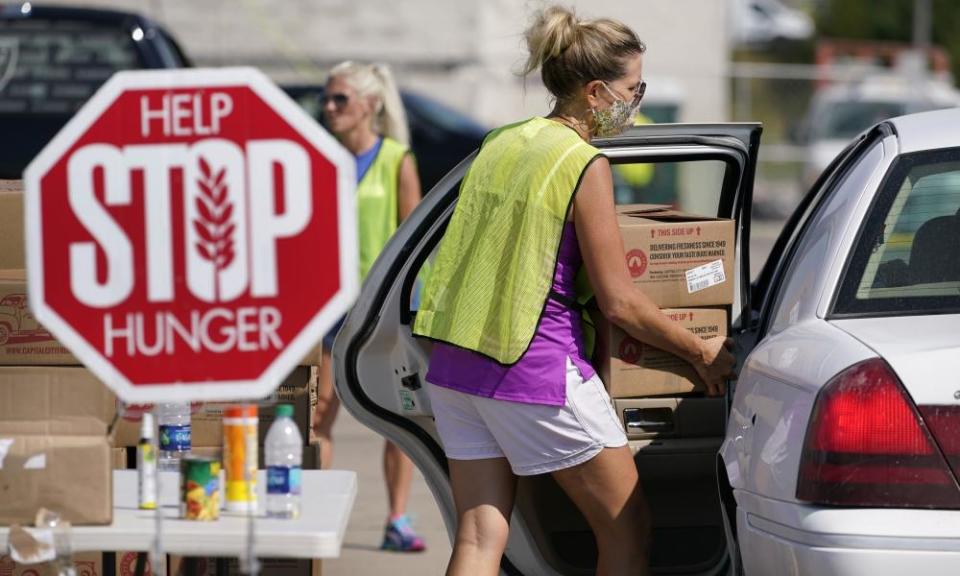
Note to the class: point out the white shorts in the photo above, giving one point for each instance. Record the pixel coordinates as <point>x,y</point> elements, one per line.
<point>534,438</point>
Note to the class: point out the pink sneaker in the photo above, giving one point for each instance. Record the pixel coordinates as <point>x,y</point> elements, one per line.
<point>400,537</point>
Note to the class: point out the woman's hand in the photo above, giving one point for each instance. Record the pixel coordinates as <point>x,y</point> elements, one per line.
<point>716,364</point>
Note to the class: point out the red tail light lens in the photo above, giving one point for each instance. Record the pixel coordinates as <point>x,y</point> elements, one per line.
<point>867,446</point>
<point>944,425</point>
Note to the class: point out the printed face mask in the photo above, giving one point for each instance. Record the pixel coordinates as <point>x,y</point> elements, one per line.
<point>617,118</point>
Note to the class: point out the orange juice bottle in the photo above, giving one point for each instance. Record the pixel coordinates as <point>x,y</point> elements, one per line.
<point>240,457</point>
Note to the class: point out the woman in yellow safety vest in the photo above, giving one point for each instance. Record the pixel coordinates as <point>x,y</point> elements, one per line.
<point>362,108</point>
<point>510,386</point>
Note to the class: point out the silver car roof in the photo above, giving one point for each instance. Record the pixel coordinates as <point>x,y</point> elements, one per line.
<point>928,130</point>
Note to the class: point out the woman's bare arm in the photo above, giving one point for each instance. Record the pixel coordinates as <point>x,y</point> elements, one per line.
<point>408,188</point>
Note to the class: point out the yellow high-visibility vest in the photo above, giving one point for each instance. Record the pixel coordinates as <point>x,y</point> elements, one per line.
<point>377,204</point>
<point>493,271</point>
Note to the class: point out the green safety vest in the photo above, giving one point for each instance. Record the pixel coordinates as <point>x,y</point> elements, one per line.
<point>494,268</point>
<point>377,204</point>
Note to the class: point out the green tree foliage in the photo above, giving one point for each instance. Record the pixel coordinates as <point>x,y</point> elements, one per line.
<point>890,20</point>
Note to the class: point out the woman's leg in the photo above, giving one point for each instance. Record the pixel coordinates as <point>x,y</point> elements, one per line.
<point>399,534</point>
<point>607,491</point>
<point>398,473</point>
<point>327,405</point>
<point>483,492</point>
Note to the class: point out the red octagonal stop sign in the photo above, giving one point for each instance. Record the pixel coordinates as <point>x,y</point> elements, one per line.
<point>191,234</point>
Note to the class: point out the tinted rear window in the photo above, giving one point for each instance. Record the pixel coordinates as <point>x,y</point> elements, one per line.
<point>907,259</point>
<point>53,67</point>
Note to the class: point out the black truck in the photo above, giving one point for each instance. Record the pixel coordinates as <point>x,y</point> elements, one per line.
<point>52,59</point>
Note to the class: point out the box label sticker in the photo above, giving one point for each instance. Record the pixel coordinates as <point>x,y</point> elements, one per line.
<point>703,277</point>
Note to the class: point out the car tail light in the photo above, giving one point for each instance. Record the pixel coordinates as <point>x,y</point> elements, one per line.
<point>944,425</point>
<point>867,446</point>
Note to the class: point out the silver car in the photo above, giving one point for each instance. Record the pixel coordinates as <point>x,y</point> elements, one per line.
<point>838,449</point>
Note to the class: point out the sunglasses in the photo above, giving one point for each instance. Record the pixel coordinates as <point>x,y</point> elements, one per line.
<point>339,100</point>
<point>638,93</point>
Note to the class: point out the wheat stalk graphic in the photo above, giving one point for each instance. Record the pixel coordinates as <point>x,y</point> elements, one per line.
<point>213,223</point>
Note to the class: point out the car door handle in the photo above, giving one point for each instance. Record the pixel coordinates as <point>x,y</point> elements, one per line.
<point>649,419</point>
<point>651,425</point>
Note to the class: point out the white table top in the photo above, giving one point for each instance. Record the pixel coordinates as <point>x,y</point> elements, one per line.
<point>327,499</point>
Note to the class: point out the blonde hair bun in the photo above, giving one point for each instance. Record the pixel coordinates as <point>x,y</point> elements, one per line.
<point>553,30</point>
<point>571,52</point>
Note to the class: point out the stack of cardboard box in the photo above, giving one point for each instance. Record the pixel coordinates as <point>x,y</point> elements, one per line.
<point>684,263</point>
<point>54,415</point>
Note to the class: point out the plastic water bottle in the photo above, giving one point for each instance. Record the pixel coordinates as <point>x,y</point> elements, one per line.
<point>283,455</point>
<point>174,442</point>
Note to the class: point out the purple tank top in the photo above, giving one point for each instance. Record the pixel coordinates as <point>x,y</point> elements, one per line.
<point>539,377</point>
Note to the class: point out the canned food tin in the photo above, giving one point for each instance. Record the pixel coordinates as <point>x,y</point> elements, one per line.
<point>240,457</point>
<point>199,488</point>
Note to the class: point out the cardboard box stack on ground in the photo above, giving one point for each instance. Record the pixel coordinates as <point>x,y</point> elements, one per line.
<point>685,264</point>
<point>53,423</point>
<point>86,564</point>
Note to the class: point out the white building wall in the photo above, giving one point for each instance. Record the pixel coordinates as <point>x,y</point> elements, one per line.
<point>462,52</point>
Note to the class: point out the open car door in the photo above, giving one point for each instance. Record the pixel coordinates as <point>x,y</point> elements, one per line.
<point>704,169</point>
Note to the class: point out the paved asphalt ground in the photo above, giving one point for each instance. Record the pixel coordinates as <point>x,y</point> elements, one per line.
<point>357,448</point>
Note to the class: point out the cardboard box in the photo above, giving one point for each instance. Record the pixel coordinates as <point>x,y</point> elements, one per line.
<point>678,259</point>
<point>120,459</point>
<point>86,564</point>
<point>126,564</point>
<point>63,465</point>
<point>53,424</point>
<point>11,224</point>
<point>206,419</point>
<point>23,341</point>
<point>630,368</point>
<point>268,566</point>
<point>53,393</point>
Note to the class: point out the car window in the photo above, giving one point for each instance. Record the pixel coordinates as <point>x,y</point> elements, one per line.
<point>691,186</point>
<point>907,258</point>
<point>810,253</point>
<point>782,249</point>
<point>53,67</point>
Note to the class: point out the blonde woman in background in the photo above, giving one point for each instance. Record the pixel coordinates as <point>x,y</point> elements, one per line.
<point>362,108</point>
<point>512,390</point>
